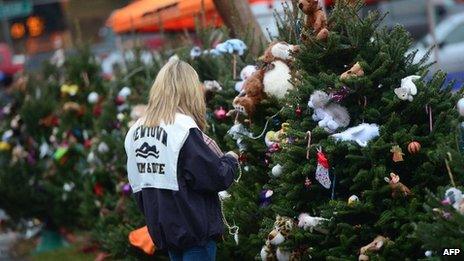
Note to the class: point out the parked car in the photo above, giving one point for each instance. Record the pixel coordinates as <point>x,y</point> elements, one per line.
<point>450,44</point>
<point>412,14</point>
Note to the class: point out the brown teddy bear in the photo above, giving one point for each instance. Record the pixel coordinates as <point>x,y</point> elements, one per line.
<point>272,79</point>
<point>354,71</point>
<point>251,95</point>
<point>315,18</point>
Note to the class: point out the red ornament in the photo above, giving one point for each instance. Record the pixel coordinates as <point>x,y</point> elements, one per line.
<point>50,121</point>
<point>87,143</point>
<point>119,100</point>
<point>274,147</point>
<point>98,189</point>
<point>242,158</point>
<point>298,111</point>
<point>220,114</point>
<point>414,147</point>
<point>97,110</point>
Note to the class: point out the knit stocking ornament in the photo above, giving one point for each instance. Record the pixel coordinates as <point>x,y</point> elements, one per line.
<point>322,170</point>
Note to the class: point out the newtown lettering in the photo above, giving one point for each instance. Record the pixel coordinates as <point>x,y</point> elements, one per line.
<point>151,132</point>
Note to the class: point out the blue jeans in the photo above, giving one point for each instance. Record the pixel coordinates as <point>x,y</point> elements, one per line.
<point>197,253</point>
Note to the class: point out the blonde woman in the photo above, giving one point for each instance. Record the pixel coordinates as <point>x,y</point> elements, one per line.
<point>173,173</point>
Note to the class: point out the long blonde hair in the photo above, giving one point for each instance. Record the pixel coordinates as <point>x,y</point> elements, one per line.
<point>177,88</point>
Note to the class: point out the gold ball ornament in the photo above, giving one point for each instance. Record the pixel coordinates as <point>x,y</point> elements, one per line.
<point>414,147</point>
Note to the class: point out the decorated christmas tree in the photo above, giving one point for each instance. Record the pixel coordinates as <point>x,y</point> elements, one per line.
<point>364,138</point>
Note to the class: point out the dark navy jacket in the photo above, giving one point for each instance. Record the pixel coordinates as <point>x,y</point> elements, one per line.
<point>178,220</point>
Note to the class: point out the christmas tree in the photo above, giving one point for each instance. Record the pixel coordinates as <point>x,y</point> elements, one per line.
<point>366,134</point>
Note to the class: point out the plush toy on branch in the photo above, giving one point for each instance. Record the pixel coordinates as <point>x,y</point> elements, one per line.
<point>329,115</point>
<point>271,79</point>
<point>454,197</point>
<point>305,221</point>
<point>246,72</point>
<point>315,19</point>
<point>374,246</point>
<point>282,229</point>
<point>408,88</point>
<point>278,59</point>
<point>361,134</point>
<point>397,188</point>
<point>355,71</point>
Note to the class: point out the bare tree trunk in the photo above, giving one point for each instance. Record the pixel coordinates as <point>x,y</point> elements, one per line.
<point>238,17</point>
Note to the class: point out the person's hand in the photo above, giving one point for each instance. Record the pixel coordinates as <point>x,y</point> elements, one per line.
<point>233,154</point>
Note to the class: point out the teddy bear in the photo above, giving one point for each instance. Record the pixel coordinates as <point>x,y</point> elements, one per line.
<point>246,72</point>
<point>330,115</point>
<point>251,95</point>
<point>315,18</point>
<point>278,59</point>
<point>271,79</point>
<point>408,88</point>
<point>355,71</point>
<point>373,246</point>
<point>398,188</point>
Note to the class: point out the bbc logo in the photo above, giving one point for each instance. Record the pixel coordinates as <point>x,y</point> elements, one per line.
<point>451,252</point>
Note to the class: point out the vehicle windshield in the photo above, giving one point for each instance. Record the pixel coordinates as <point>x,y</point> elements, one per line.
<point>443,29</point>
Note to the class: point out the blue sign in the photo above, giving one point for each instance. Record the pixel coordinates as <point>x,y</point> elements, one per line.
<point>15,9</point>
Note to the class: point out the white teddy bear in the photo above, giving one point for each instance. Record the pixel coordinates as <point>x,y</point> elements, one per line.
<point>330,116</point>
<point>408,88</point>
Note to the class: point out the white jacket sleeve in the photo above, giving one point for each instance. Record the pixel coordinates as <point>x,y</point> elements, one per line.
<point>132,173</point>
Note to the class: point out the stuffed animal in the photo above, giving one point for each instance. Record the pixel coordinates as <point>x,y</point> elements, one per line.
<point>209,88</point>
<point>330,116</point>
<point>373,246</point>
<point>315,18</point>
<point>361,134</point>
<point>246,72</point>
<point>238,132</point>
<point>398,188</point>
<point>282,228</point>
<point>232,46</point>
<point>195,52</point>
<point>278,59</point>
<point>271,79</point>
<point>460,106</point>
<point>251,95</point>
<point>408,88</point>
<point>306,221</point>
<point>454,197</point>
<point>355,71</point>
